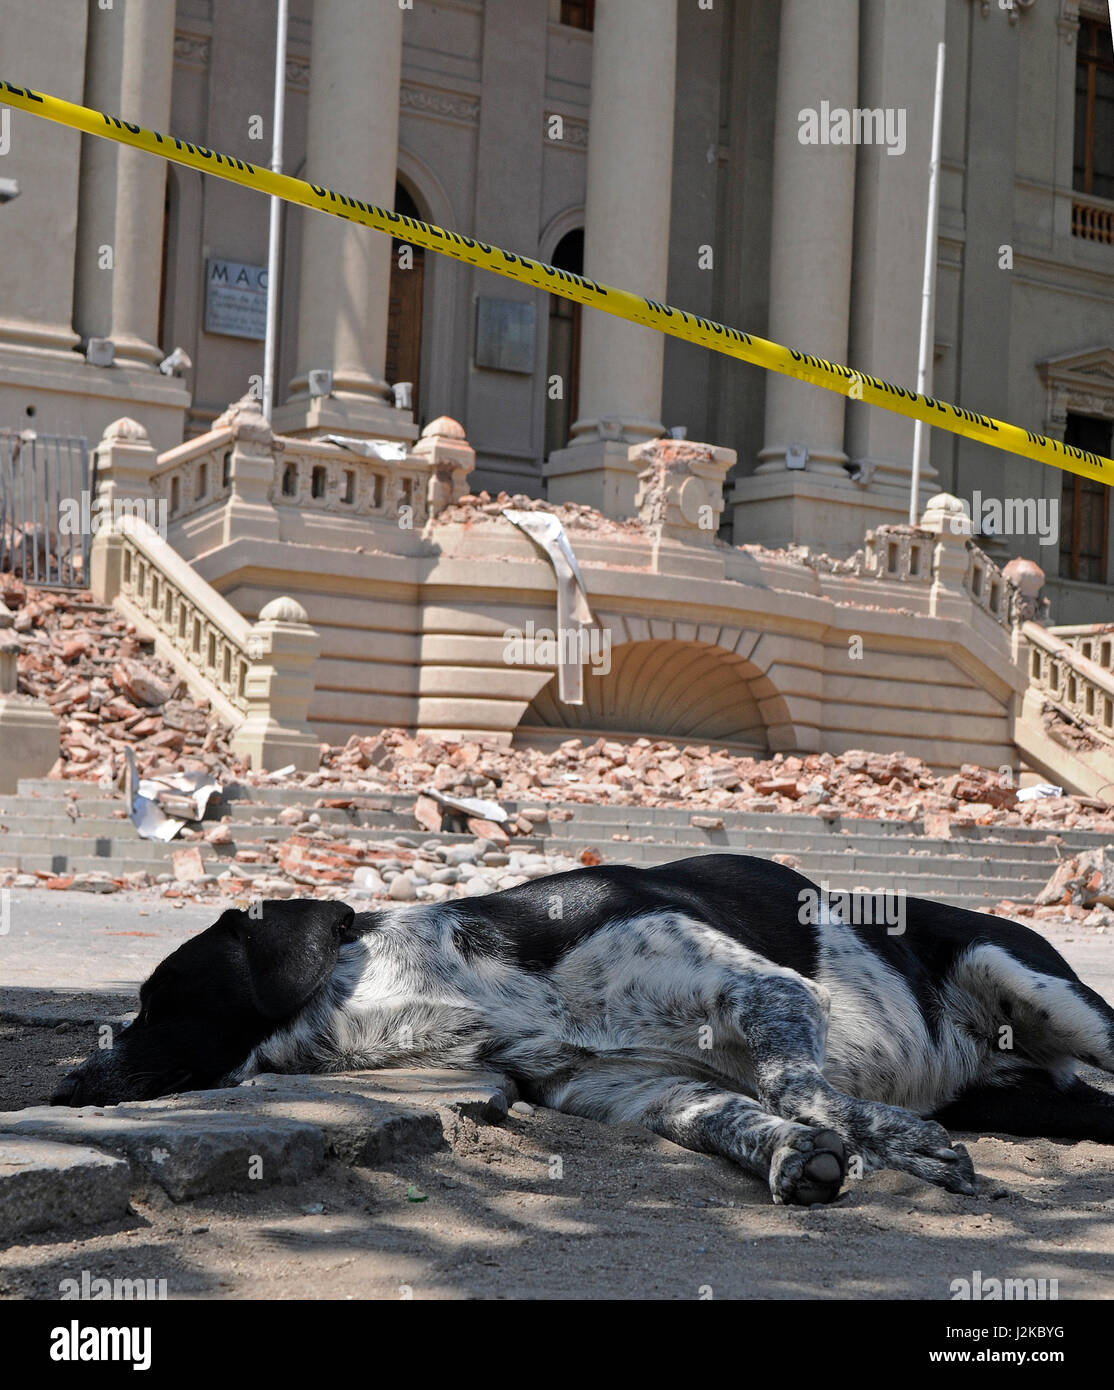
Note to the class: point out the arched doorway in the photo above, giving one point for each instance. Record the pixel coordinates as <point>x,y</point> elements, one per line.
<point>658,689</point>
<point>404,314</point>
<point>563,359</point>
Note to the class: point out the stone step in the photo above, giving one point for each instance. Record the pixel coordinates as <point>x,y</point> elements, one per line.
<point>107,837</point>
<point>248,803</point>
<point>247,830</point>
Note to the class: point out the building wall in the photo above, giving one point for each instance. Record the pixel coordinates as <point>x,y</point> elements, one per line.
<point>480,80</point>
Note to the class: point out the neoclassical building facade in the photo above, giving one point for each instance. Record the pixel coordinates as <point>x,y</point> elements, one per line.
<point>660,145</point>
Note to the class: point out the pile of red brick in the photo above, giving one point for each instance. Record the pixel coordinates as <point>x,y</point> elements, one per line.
<point>108,690</point>
<point>656,772</point>
<point>111,693</point>
<point>573,516</point>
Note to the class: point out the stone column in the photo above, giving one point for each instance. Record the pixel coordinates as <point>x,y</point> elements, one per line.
<point>352,147</point>
<point>898,75</point>
<point>145,82</point>
<point>626,243</point>
<point>813,222</point>
<point>812,230</point>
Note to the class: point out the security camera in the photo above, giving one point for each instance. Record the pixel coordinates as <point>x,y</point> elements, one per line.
<point>9,189</point>
<point>100,352</point>
<point>176,363</point>
<point>320,382</point>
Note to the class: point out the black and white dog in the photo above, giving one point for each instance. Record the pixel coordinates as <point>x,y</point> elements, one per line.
<point>696,999</point>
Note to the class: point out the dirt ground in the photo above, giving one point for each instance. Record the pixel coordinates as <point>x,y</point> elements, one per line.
<point>547,1206</point>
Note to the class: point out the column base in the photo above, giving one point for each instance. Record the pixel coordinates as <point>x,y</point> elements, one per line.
<point>799,508</point>
<point>598,473</point>
<point>267,746</point>
<point>365,418</point>
<point>70,397</point>
<point>30,739</point>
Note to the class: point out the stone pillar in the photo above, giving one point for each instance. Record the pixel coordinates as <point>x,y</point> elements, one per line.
<point>626,243</point>
<point>810,286</point>
<point>679,501</point>
<point>949,521</point>
<point>813,222</point>
<point>352,147</point>
<point>145,81</point>
<point>249,511</point>
<point>47,44</point>
<point>125,459</point>
<point>450,457</point>
<point>282,647</point>
<point>898,75</point>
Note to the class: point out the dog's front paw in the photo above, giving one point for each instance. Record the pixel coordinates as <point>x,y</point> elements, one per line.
<point>809,1167</point>
<point>925,1149</point>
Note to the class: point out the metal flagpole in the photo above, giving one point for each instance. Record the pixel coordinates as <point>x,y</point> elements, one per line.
<point>274,244</point>
<point>928,286</point>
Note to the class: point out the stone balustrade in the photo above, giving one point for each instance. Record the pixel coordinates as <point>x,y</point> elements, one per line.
<point>1094,641</point>
<point>898,552</point>
<point>195,475</point>
<point>256,675</point>
<point>1077,685</point>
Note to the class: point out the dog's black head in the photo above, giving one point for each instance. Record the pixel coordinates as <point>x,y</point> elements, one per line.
<point>213,1000</point>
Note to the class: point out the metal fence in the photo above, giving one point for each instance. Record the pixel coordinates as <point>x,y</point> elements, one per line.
<point>45,508</point>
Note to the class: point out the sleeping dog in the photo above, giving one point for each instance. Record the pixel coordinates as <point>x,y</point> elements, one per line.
<point>697,999</point>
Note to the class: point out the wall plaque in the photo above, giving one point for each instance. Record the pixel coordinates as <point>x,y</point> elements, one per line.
<point>236,299</point>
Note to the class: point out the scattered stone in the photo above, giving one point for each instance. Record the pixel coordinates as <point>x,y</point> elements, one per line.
<point>44,1184</point>
<point>428,813</point>
<point>178,1146</point>
<point>188,865</point>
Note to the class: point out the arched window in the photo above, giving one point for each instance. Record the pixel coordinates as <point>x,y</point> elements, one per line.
<point>563,360</point>
<point>404,314</point>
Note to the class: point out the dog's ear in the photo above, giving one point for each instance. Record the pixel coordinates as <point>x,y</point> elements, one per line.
<point>290,949</point>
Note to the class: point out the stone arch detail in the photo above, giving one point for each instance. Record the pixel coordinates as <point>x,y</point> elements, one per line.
<point>668,680</point>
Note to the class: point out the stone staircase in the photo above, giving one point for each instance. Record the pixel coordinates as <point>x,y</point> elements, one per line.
<point>67,828</point>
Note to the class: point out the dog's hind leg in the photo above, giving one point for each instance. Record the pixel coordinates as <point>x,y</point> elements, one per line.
<point>802,1164</point>
<point>1044,1016</point>
<point>1028,1101</point>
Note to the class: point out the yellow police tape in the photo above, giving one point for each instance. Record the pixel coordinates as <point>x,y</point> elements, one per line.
<point>691,327</point>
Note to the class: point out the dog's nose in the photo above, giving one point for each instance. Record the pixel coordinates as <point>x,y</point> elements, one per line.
<point>65,1093</point>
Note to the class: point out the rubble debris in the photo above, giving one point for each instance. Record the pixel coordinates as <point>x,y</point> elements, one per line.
<point>1039,791</point>
<point>1086,880</point>
<point>160,806</point>
<point>110,692</point>
<point>707,780</point>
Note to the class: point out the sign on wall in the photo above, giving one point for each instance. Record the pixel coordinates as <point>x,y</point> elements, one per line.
<point>236,299</point>
<point>505,334</point>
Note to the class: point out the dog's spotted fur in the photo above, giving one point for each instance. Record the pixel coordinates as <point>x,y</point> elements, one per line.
<point>688,998</point>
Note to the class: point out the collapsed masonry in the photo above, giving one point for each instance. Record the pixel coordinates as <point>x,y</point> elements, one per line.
<point>737,680</point>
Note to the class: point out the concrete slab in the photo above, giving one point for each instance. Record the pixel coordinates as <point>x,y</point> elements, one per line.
<point>185,1152</point>
<point>46,1185</point>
